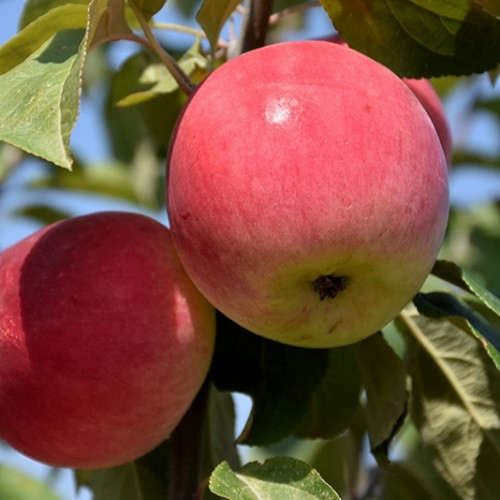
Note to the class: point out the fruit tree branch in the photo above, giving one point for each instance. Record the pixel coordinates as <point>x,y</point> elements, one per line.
<point>255,24</point>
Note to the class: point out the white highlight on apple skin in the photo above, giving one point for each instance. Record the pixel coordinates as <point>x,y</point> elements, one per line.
<point>279,111</point>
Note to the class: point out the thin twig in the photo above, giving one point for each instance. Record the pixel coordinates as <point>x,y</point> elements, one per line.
<point>180,77</point>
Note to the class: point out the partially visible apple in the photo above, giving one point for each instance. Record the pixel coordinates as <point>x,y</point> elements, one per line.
<point>429,99</point>
<point>432,104</point>
<point>104,340</point>
<point>307,193</point>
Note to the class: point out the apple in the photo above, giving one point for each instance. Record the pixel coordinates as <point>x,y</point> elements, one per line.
<point>429,99</point>
<point>104,340</point>
<point>431,102</point>
<point>307,193</point>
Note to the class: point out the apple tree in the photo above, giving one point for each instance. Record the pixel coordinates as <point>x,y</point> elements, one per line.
<point>408,408</point>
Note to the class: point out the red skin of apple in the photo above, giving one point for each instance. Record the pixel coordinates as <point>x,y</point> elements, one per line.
<point>432,104</point>
<point>296,163</point>
<point>104,340</point>
<point>428,98</point>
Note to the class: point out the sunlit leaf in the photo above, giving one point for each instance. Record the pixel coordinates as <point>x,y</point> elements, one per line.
<point>281,477</point>
<point>143,77</point>
<point>420,38</point>
<point>456,405</point>
<point>16,485</point>
<point>212,16</point>
<point>33,9</point>
<point>31,38</point>
<point>40,98</point>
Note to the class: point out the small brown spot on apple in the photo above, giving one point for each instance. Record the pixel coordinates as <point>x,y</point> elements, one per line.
<point>186,215</point>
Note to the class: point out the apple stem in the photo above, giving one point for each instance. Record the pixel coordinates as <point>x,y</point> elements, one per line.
<point>329,286</point>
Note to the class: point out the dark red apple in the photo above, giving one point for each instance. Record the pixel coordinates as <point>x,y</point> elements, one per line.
<point>104,340</point>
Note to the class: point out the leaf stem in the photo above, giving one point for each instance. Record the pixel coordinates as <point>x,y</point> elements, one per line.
<point>180,77</point>
<point>277,16</point>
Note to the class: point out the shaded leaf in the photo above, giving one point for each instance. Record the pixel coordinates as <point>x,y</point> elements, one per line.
<point>456,405</point>
<point>384,378</point>
<point>468,158</point>
<point>212,16</point>
<point>420,38</point>
<point>203,438</point>
<point>142,478</point>
<point>440,304</point>
<point>106,18</point>
<point>113,179</point>
<point>33,36</point>
<point>473,239</point>
<point>40,98</point>
<point>280,379</point>
<point>42,213</point>
<point>451,272</point>
<point>337,462</point>
<point>281,477</point>
<point>335,400</point>
<point>149,8</point>
<point>415,479</point>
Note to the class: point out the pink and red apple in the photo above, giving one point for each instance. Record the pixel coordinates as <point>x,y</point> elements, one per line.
<point>307,193</point>
<point>429,99</point>
<point>104,340</point>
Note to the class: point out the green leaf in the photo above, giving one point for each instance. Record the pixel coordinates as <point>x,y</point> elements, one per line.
<point>15,485</point>
<point>203,438</point>
<point>470,158</point>
<point>106,18</point>
<point>281,477</point>
<point>111,179</point>
<point>33,9</point>
<point>420,38</point>
<point>384,378</point>
<point>149,8</point>
<point>415,479</point>
<point>473,239</point>
<point>142,478</point>
<point>444,305</point>
<point>336,399</point>
<point>40,98</point>
<point>279,378</point>
<point>42,213</point>
<point>456,405</point>
<point>451,272</point>
<point>143,77</point>
<point>34,35</point>
<point>212,16</point>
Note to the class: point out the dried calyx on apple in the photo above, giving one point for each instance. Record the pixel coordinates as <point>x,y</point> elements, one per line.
<point>317,189</point>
